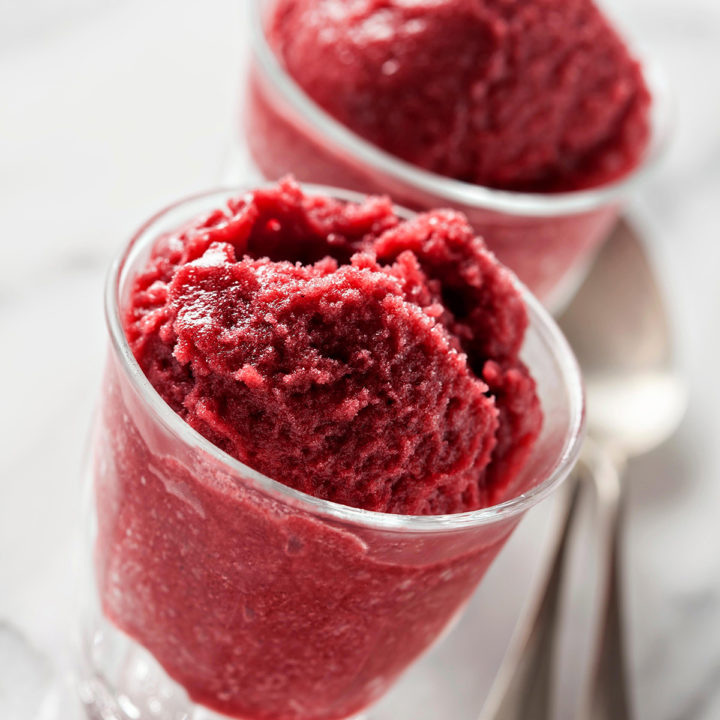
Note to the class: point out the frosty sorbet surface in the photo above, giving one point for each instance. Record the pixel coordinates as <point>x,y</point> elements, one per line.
<point>341,350</point>
<point>526,95</point>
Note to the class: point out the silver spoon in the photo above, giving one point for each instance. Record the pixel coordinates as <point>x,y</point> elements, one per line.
<point>618,328</point>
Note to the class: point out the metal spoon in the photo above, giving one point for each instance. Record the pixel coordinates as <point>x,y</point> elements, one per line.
<point>619,330</point>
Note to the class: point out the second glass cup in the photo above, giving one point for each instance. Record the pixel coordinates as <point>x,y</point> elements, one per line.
<point>548,240</point>
<point>218,592</point>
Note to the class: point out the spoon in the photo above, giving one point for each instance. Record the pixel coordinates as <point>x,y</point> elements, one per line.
<point>618,328</point>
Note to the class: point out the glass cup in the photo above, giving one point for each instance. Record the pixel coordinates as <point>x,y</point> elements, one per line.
<point>215,591</point>
<point>549,240</point>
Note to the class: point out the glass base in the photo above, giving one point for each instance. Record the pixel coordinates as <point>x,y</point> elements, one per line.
<point>112,660</point>
<point>101,703</point>
<point>147,691</point>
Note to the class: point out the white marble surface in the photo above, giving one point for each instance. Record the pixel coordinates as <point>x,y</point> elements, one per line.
<point>111,110</point>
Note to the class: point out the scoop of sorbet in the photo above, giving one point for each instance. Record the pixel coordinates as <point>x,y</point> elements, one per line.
<point>341,350</point>
<point>530,95</point>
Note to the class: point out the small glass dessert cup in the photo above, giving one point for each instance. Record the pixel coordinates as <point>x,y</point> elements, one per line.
<point>217,592</point>
<point>549,240</point>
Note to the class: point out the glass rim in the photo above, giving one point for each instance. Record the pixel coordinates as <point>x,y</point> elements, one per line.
<point>523,204</point>
<point>539,320</point>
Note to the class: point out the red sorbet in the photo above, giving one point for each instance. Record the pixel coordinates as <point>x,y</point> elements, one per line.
<point>342,351</point>
<point>352,355</point>
<point>527,95</point>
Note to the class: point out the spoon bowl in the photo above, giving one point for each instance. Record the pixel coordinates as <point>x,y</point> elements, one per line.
<point>618,328</point>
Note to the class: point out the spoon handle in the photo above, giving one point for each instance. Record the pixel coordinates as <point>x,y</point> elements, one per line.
<point>586,574</point>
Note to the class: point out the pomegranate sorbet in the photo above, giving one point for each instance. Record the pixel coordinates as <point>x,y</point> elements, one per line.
<point>528,95</point>
<point>347,353</point>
